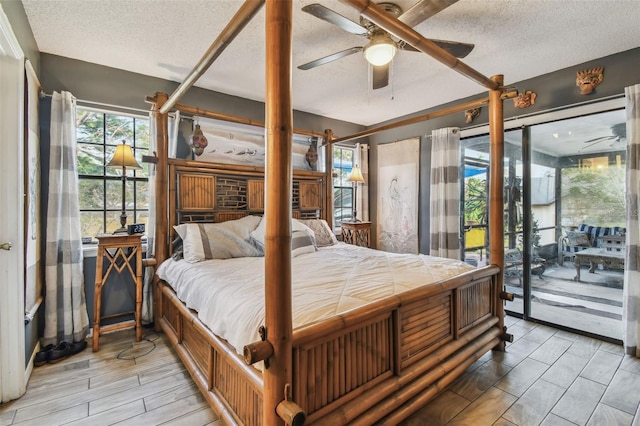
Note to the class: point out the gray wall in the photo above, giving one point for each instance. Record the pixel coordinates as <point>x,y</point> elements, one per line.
<point>96,83</point>
<point>555,90</point>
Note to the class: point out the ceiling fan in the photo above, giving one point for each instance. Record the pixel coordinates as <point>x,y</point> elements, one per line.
<point>618,133</point>
<point>382,47</point>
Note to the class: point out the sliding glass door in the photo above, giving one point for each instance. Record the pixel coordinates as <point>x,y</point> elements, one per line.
<point>578,209</point>
<point>564,218</point>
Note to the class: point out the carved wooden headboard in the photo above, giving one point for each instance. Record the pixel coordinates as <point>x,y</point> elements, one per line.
<point>204,192</point>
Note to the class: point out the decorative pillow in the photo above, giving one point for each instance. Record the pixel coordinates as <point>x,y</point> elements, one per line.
<point>225,240</point>
<point>258,234</point>
<point>324,235</point>
<point>577,238</point>
<point>302,242</point>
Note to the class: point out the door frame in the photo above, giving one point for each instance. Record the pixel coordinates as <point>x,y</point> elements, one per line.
<point>12,328</point>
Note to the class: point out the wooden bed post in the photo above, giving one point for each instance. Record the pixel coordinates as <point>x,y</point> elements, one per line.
<point>162,154</point>
<point>496,184</point>
<point>278,181</point>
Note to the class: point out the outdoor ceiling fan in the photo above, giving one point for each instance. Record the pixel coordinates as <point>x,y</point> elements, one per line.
<point>382,47</point>
<point>618,133</point>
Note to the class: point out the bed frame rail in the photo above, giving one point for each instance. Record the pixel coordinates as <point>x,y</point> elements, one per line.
<point>358,367</point>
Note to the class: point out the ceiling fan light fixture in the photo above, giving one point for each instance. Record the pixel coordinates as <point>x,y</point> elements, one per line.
<point>380,50</point>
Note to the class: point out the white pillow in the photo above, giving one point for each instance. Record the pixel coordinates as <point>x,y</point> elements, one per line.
<point>258,234</point>
<point>302,242</point>
<point>217,240</point>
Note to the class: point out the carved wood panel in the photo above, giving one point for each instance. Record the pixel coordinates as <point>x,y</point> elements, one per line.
<point>212,196</point>
<point>255,194</point>
<point>310,195</point>
<point>196,191</point>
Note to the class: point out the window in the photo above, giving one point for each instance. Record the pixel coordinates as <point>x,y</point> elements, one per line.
<point>100,188</point>
<point>342,188</point>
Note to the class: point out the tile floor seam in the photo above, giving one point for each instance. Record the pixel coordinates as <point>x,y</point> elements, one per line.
<point>32,419</point>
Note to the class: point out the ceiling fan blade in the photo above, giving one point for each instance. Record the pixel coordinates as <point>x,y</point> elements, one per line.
<point>600,139</point>
<point>423,10</point>
<point>319,11</point>
<point>379,76</point>
<point>596,141</point>
<point>329,58</point>
<point>457,49</point>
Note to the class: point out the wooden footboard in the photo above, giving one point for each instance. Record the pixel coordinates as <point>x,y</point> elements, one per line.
<point>381,362</point>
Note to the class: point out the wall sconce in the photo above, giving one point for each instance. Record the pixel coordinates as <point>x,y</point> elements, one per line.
<point>355,177</point>
<point>123,158</point>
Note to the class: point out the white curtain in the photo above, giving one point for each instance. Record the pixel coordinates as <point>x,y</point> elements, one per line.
<point>361,158</point>
<point>445,193</point>
<point>173,131</point>
<point>66,316</point>
<point>147,288</point>
<point>631,293</point>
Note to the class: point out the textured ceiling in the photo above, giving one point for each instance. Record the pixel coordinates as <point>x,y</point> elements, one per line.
<point>166,38</point>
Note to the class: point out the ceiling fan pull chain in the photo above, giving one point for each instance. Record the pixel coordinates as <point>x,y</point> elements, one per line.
<point>391,73</point>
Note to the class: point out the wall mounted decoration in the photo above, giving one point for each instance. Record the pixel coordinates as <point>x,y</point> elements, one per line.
<point>588,80</point>
<point>198,142</point>
<point>471,114</point>
<point>245,145</point>
<point>398,173</point>
<point>524,99</point>
<point>311,156</point>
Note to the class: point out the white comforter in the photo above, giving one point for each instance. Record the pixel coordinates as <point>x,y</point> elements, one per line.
<point>229,296</point>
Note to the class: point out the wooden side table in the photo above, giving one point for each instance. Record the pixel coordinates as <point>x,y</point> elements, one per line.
<point>121,251</point>
<point>357,233</point>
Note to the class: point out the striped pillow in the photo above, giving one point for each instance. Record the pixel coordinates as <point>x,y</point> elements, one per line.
<point>302,242</point>
<point>324,235</point>
<point>202,241</point>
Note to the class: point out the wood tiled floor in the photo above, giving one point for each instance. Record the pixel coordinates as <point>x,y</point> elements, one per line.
<point>546,377</point>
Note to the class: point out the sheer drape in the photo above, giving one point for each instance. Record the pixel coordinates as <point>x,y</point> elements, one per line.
<point>445,193</point>
<point>147,291</point>
<point>66,316</point>
<point>361,158</point>
<point>631,293</point>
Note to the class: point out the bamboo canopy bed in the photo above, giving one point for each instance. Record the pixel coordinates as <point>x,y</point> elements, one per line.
<point>375,363</point>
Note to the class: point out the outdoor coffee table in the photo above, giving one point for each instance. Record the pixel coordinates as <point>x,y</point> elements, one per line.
<point>594,256</point>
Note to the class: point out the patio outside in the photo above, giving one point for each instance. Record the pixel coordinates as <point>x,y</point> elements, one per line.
<point>574,177</point>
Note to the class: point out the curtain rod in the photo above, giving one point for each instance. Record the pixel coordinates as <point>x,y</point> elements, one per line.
<point>43,94</point>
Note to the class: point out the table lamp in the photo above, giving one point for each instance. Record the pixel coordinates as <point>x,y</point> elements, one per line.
<point>355,177</point>
<point>123,158</point>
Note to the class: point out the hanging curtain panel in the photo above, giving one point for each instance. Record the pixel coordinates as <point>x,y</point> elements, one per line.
<point>631,292</point>
<point>398,179</point>
<point>361,158</point>
<point>445,193</point>
<point>66,318</point>
<point>174,135</point>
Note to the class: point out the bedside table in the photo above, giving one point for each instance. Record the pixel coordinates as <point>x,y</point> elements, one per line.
<point>121,251</point>
<point>357,233</point>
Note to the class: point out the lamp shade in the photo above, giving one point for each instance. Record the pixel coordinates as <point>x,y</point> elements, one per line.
<point>380,50</point>
<point>356,175</point>
<point>123,157</point>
